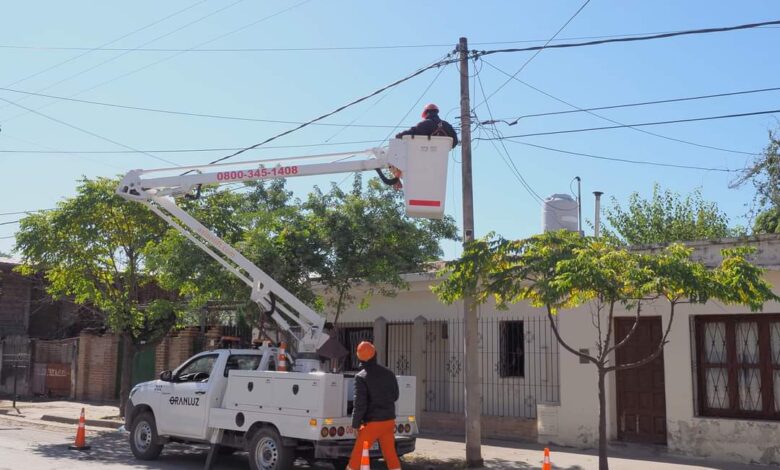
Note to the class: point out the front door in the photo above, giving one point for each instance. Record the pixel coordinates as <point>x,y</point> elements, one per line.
<point>641,399</point>
<point>185,399</point>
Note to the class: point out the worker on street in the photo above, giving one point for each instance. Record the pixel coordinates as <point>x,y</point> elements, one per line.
<point>373,416</point>
<point>431,125</point>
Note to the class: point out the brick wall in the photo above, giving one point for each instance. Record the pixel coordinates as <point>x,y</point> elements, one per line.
<point>496,427</point>
<point>14,301</point>
<point>97,367</point>
<point>176,348</point>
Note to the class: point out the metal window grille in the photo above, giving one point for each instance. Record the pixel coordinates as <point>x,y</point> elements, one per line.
<point>738,365</point>
<point>512,356</point>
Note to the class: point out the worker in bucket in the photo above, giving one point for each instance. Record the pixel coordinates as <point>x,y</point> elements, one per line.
<point>431,125</point>
<point>373,416</point>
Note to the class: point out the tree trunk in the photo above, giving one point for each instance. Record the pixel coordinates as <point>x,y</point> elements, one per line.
<point>603,463</point>
<point>128,354</point>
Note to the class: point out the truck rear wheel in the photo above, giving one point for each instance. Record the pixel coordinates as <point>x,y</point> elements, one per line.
<point>143,437</point>
<point>267,451</point>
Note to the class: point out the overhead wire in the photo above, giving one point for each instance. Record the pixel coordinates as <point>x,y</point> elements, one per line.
<point>324,48</point>
<point>182,113</point>
<point>600,116</point>
<point>514,121</point>
<point>169,57</point>
<point>102,46</point>
<point>641,124</point>
<point>506,156</point>
<point>335,111</point>
<point>622,160</point>
<point>538,51</point>
<point>118,56</point>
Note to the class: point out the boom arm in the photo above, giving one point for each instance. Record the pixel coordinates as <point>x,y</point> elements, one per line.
<point>158,194</point>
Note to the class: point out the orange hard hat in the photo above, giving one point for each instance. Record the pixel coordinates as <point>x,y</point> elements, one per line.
<point>429,107</point>
<point>365,351</point>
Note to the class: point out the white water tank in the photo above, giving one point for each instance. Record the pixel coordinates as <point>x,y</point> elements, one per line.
<point>559,211</point>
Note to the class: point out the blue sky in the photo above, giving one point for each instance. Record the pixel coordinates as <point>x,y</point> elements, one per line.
<point>299,85</point>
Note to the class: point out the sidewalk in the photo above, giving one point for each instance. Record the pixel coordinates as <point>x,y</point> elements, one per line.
<point>65,412</point>
<point>433,452</point>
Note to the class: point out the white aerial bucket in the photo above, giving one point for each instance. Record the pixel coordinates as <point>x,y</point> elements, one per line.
<point>423,161</point>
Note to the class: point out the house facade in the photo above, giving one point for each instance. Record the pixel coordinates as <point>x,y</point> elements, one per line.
<point>714,392</point>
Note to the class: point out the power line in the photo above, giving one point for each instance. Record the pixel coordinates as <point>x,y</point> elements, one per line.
<point>183,113</point>
<point>506,156</point>
<point>102,46</point>
<point>641,124</point>
<point>118,56</point>
<point>649,37</point>
<point>320,49</point>
<point>85,131</point>
<point>538,51</point>
<point>337,110</point>
<point>190,150</point>
<point>513,121</point>
<point>622,160</point>
<point>600,116</point>
<point>24,212</point>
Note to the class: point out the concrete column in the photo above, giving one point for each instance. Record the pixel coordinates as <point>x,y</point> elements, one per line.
<point>380,340</point>
<point>419,357</point>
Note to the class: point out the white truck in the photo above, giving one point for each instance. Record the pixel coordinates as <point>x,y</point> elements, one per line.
<point>236,399</point>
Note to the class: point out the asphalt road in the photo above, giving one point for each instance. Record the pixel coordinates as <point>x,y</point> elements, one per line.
<point>32,448</point>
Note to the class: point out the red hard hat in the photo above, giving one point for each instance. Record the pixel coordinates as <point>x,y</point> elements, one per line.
<point>429,107</point>
<point>365,351</point>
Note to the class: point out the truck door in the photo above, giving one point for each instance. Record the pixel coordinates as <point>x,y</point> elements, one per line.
<point>186,398</point>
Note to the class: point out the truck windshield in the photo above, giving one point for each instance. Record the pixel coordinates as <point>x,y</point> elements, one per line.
<point>242,362</point>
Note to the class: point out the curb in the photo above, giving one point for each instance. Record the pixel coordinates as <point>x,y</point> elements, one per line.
<point>101,423</point>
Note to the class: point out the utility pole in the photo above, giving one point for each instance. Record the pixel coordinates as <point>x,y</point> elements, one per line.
<point>473,391</point>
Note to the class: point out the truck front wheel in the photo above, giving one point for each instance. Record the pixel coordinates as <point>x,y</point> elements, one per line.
<point>143,437</point>
<point>267,452</point>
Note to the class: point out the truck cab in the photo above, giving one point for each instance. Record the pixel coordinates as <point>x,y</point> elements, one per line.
<point>235,400</point>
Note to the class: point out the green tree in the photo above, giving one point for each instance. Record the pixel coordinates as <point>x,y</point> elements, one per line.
<point>764,175</point>
<point>666,217</point>
<point>367,242</point>
<point>262,221</point>
<point>561,270</point>
<point>93,248</point>
<point>4,254</point>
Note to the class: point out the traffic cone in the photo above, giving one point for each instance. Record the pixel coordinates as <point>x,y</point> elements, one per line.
<point>81,435</point>
<point>365,461</point>
<point>281,363</point>
<point>546,465</point>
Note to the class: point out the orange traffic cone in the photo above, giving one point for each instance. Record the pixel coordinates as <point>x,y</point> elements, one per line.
<point>365,461</point>
<point>81,435</point>
<point>546,465</point>
<point>281,363</point>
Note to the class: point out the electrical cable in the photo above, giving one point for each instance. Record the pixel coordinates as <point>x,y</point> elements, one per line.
<point>169,57</point>
<point>644,131</point>
<point>514,121</point>
<point>641,124</point>
<point>118,56</point>
<point>24,212</point>
<point>183,113</point>
<point>622,160</point>
<point>337,110</point>
<point>326,48</point>
<point>190,150</point>
<point>508,159</point>
<point>648,37</point>
<point>102,46</point>
<point>538,51</point>
<point>80,129</point>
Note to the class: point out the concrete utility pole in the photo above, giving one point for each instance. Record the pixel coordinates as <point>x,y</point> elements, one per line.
<point>473,392</point>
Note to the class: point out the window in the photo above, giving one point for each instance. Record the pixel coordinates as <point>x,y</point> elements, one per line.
<point>350,337</point>
<point>738,362</point>
<point>198,366</point>
<point>512,359</point>
<point>242,362</point>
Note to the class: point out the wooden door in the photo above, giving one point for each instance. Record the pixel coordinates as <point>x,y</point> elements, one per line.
<point>641,401</point>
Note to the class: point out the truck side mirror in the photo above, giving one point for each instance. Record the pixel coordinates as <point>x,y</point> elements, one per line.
<point>166,376</point>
